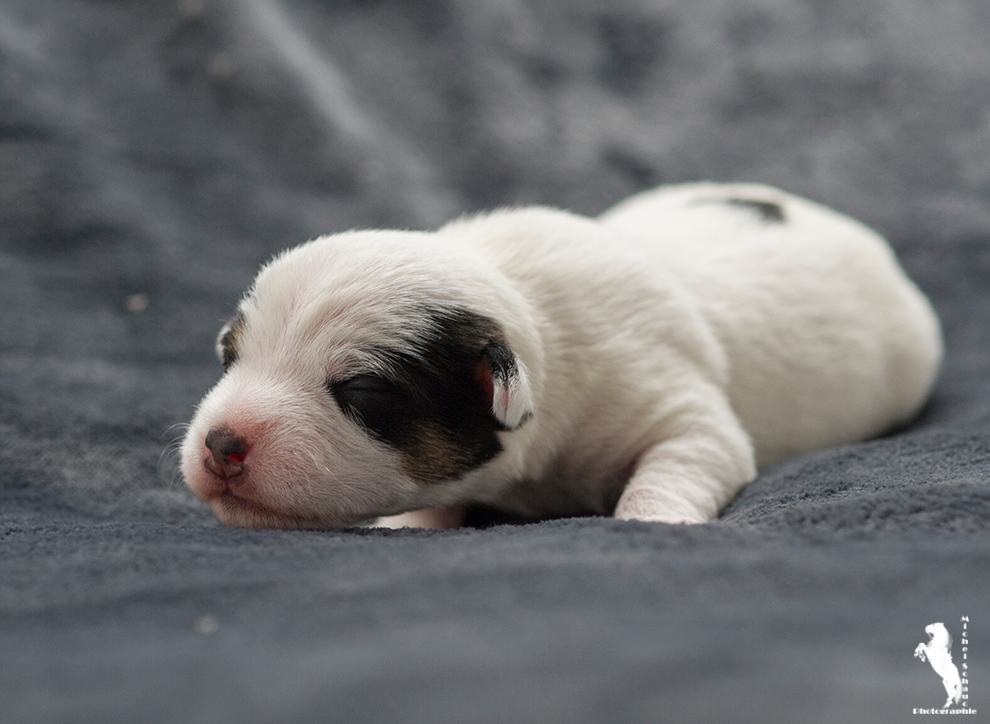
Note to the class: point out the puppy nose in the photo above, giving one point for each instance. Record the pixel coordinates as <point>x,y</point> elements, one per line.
<point>228,451</point>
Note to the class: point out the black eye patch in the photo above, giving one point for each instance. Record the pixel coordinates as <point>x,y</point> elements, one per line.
<point>376,403</point>
<point>430,403</point>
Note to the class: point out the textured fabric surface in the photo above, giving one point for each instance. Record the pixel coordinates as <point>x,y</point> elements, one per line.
<point>152,155</point>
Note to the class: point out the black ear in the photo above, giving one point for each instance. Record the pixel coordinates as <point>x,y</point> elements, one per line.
<point>228,340</point>
<point>506,384</point>
<point>470,353</point>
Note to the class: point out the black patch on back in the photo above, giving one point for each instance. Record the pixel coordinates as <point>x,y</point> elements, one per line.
<point>431,405</point>
<point>229,341</point>
<point>769,212</point>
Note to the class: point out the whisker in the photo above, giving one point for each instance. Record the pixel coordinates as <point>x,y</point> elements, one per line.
<point>174,483</point>
<point>170,450</point>
<point>184,426</point>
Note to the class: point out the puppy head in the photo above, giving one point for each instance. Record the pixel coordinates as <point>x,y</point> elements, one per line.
<point>363,377</point>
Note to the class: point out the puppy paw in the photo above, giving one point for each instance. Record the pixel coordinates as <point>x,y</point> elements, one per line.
<point>650,506</point>
<point>445,518</point>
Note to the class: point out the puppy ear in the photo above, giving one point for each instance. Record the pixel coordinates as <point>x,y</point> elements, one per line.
<point>480,377</point>
<point>228,340</point>
<point>506,385</point>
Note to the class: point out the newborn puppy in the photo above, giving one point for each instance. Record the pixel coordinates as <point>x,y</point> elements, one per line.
<point>642,364</point>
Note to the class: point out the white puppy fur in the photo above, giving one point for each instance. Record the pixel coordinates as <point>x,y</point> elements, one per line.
<point>642,364</point>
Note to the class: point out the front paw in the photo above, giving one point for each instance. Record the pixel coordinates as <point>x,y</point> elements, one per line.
<point>449,517</point>
<point>650,506</point>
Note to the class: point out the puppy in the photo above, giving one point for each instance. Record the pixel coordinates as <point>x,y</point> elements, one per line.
<point>643,364</point>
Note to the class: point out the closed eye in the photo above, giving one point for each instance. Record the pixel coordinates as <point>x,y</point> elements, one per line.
<point>375,403</point>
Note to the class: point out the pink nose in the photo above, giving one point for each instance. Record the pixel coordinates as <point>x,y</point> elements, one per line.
<point>227,452</point>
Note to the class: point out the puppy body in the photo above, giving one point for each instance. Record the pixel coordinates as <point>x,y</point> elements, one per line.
<point>641,364</point>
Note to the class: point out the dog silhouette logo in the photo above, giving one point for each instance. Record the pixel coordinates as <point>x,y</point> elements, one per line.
<point>938,652</point>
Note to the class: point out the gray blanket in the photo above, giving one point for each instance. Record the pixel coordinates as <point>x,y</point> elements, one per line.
<point>152,155</point>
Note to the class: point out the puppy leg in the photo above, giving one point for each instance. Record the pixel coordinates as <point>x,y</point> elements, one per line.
<point>690,476</point>
<point>449,517</point>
